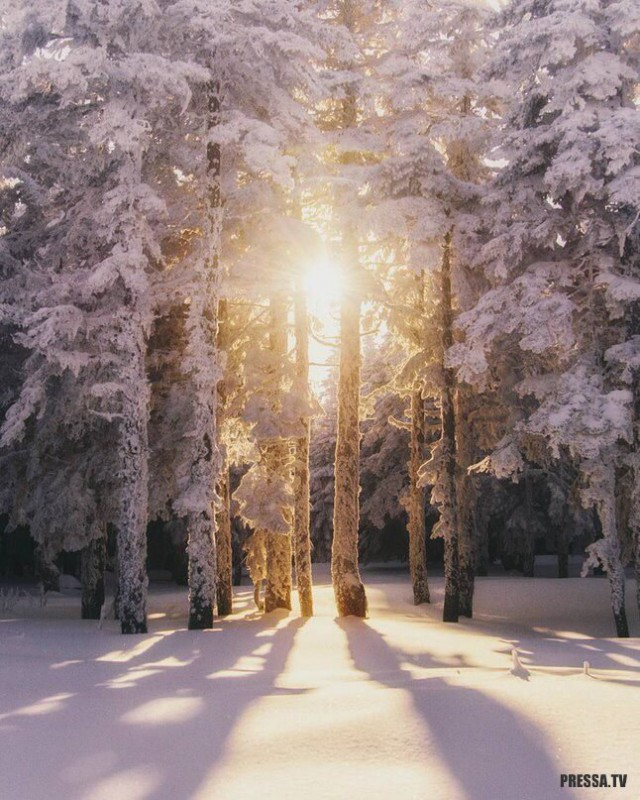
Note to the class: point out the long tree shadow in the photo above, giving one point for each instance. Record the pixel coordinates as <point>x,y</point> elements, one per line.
<point>492,751</point>
<point>155,727</point>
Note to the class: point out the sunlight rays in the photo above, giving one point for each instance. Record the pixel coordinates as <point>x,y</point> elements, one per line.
<point>323,283</point>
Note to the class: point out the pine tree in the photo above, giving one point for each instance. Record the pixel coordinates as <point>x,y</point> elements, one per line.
<point>562,212</point>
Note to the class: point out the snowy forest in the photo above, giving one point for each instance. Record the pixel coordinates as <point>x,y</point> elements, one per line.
<point>332,281</point>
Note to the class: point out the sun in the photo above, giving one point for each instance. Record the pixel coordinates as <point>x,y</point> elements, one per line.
<point>323,284</point>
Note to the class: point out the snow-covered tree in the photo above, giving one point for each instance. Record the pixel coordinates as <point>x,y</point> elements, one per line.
<point>436,121</point>
<point>560,220</point>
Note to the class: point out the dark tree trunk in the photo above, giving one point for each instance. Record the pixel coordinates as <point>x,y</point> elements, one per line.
<point>46,571</point>
<point>92,565</point>
<point>612,563</point>
<point>416,509</point>
<point>563,553</point>
<point>237,559</point>
<point>224,550</point>
<point>466,499</point>
<point>634,516</point>
<point>450,509</point>
<point>132,512</point>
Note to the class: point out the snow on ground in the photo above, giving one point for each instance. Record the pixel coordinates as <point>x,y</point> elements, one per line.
<point>398,706</point>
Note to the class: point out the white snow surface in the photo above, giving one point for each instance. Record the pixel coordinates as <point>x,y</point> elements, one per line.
<point>396,706</point>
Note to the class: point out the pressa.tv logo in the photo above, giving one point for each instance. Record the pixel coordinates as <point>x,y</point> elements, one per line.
<point>593,780</point>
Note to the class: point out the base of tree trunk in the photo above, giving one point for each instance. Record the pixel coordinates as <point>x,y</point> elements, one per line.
<point>200,618</point>
<point>128,625</point>
<point>421,593</point>
<point>465,595</point>
<point>465,606</point>
<point>637,574</point>
<point>277,591</point>
<point>224,550</point>
<point>305,598</point>
<point>92,566</point>
<point>224,599</point>
<point>46,571</point>
<point>273,600</point>
<point>563,565</point>
<point>451,609</point>
<point>622,626</point>
<point>351,599</point>
<point>225,604</point>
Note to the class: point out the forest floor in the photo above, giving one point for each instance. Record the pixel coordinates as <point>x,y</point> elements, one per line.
<point>398,706</point>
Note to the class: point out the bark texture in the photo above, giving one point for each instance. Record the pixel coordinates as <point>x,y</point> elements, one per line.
<point>466,500</point>
<point>634,517</point>
<point>301,511</point>
<point>203,328</point>
<point>612,560</point>
<point>201,553</point>
<point>224,591</point>
<point>277,458</point>
<point>416,508</point>
<point>277,591</point>
<point>92,565</point>
<point>131,524</point>
<point>348,588</point>
<point>449,509</point>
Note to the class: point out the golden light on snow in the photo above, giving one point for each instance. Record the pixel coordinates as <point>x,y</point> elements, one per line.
<point>131,651</point>
<point>165,710</point>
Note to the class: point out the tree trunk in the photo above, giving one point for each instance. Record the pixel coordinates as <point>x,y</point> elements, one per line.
<point>201,552</point>
<point>449,511</point>
<point>277,593</point>
<point>616,576</point>
<point>416,508</point>
<point>131,523</point>
<point>92,565</point>
<point>203,314</point>
<point>634,516</point>
<point>224,591</point>
<point>237,559</point>
<point>466,499</point>
<point>612,561</point>
<point>563,553</point>
<point>46,571</point>
<point>301,535</point>
<point>348,588</point>
<point>277,590</point>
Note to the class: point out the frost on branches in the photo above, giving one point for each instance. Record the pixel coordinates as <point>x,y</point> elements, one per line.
<point>561,220</point>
